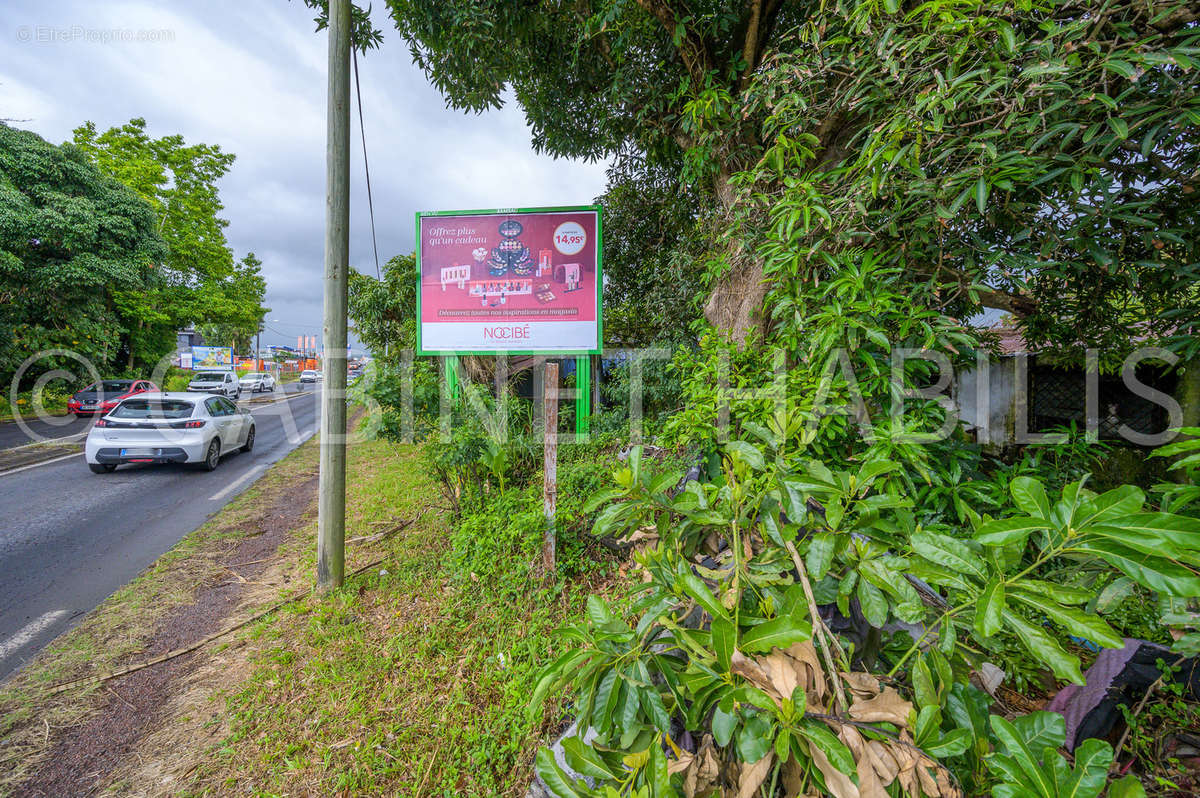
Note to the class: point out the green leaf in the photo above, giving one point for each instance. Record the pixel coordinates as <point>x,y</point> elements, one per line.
<point>1122,68</point>
<point>1008,531</point>
<point>694,586</point>
<point>1030,496</point>
<point>597,499</point>
<point>953,743</point>
<point>748,454</point>
<point>780,632</point>
<point>981,194</point>
<point>834,749</point>
<point>874,605</point>
<point>1075,621</point>
<point>755,739</point>
<point>948,552</point>
<point>1024,758</point>
<point>1041,730</point>
<point>1114,593</point>
<point>724,639</point>
<point>989,612</point>
<point>584,760</point>
<point>724,721</point>
<point>1119,126</point>
<point>548,770</point>
<point>653,704</point>
<point>1092,761</point>
<point>1127,786</point>
<point>819,557</point>
<point>1045,648</point>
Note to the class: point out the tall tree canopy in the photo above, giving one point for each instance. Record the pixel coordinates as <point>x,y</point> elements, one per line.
<point>1033,156</point>
<point>203,284</point>
<point>75,246</point>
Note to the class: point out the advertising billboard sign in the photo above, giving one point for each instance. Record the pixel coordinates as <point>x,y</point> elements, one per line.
<point>219,358</point>
<point>516,281</point>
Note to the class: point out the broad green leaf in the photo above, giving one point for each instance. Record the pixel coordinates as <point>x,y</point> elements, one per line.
<point>548,770</point>
<point>948,552</point>
<point>981,193</point>
<point>1041,730</point>
<point>834,749</point>
<point>756,738</point>
<point>820,554</point>
<point>1114,593</point>
<point>1074,620</point>
<point>724,721</point>
<point>1024,758</point>
<point>1008,531</point>
<point>989,612</point>
<point>1029,495</point>
<point>748,454</point>
<point>1092,761</point>
<point>724,639</point>
<point>1039,643</point>
<point>584,760</point>
<point>695,587</point>
<point>1127,786</point>
<point>780,632</point>
<point>873,604</point>
<point>953,743</point>
<point>652,702</point>
<point>597,499</point>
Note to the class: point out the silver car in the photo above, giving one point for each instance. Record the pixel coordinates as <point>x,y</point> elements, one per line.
<point>255,381</point>
<point>168,428</point>
<point>222,382</point>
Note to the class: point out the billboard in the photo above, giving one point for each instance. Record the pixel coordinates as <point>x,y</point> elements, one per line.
<point>518,281</point>
<point>212,357</point>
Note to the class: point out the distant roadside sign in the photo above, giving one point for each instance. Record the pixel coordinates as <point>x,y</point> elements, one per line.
<point>212,357</point>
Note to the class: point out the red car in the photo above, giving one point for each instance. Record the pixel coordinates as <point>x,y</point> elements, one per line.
<point>100,397</point>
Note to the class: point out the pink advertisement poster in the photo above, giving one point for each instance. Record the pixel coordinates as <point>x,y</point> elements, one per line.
<point>521,281</point>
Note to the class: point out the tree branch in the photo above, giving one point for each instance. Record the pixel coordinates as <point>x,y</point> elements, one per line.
<point>750,46</point>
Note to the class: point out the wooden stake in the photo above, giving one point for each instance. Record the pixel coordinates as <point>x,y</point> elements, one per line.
<point>550,466</point>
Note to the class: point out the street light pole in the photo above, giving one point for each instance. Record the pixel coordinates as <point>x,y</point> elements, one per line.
<point>331,503</point>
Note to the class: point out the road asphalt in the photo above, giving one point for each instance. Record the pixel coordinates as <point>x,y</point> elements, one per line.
<point>69,538</point>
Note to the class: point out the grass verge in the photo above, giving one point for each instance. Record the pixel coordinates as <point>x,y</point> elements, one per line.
<point>412,679</point>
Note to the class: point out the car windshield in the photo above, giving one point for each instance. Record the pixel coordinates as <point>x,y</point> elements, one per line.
<point>108,386</point>
<point>153,409</point>
<point>254,375</point>
<point>210,376</point>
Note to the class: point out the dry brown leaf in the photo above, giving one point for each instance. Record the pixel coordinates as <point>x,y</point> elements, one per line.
<point>887,707</point>
<point>863,685</point>
<point>793,778</point>
<point>869,785</point>
<point>883,761</point>
<point>748,668</point>
<point>837,782</point>
<point>948,788</point>
<point>928,785</point>
<point>754,775</point>
<point>682,763</point>
<point>808,668</point>
<point>704,771</point>
<point>781,669</point>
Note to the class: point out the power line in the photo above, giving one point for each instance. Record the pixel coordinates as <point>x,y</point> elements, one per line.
<point>366,166</point>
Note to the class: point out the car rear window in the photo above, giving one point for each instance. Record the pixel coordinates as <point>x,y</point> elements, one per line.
<point>108,386</point>
<point>153,409</point>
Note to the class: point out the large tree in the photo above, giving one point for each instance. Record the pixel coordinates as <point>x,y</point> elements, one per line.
<point>75,247</point>
<point>203,284</point>
<point>1037,157</point>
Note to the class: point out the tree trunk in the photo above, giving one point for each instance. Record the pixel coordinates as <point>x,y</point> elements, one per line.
<point>735,304</point>
<point>1187,393</point>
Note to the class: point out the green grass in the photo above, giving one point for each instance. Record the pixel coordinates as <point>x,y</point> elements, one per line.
<point>413,682</point>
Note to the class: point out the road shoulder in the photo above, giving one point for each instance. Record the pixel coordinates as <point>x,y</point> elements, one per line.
<point>66,742</point>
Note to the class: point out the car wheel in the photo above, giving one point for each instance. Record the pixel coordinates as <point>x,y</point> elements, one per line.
<point>249,444</point>
<point>213,457</point>
<point>102,468</point>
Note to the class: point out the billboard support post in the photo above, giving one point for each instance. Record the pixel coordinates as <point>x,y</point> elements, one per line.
<point>451,366</point>
<point>583,396</point>
<point>550,465</point>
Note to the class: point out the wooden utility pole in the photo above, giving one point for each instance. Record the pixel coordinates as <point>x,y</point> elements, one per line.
<point>331,502</point>
<point>550,465</point>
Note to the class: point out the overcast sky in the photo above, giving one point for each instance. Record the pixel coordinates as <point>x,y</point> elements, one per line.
<point>250,77</point>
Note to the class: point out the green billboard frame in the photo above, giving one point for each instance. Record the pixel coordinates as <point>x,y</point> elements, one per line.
<point>596,350</point>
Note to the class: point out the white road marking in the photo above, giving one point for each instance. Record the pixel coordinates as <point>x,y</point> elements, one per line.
<point>47,441</point>
<point>31,630</point>
<point>39,465</point>
<point>223,492</point>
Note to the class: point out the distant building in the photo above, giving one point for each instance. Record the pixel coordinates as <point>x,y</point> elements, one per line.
<point>186,339</point>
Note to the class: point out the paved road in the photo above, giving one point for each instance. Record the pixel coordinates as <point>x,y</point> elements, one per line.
<point>69,538</point>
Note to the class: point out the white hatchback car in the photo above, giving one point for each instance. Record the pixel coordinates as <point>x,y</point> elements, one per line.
<point>168,428</point>
<point>255,381</point>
